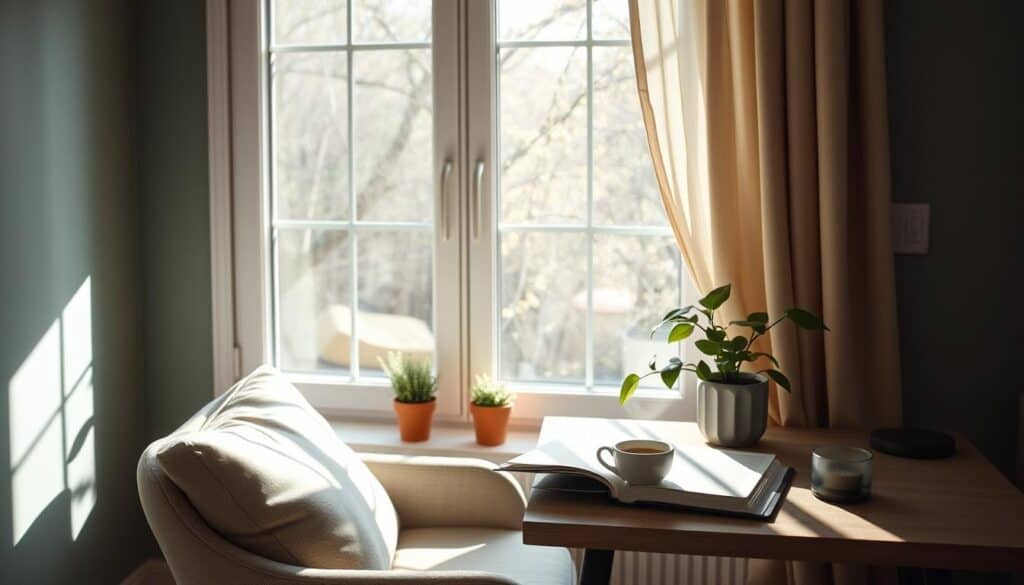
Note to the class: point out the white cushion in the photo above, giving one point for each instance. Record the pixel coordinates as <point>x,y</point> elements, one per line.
<point>483,549</point>
<point>267,472</point>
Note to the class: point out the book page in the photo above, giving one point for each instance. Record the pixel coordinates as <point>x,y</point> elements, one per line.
<point>696,468</point>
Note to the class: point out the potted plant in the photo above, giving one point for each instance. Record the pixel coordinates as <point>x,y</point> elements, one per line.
<point>732,403</point>
<point>490,405</point>
<point>414,385</point>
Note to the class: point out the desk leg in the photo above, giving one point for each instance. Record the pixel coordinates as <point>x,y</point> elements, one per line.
<point>597,566</point>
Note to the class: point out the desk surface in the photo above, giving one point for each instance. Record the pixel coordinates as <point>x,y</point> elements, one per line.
<point>955,513</point>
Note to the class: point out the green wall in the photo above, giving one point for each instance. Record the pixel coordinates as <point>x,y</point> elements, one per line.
<point>955,92</point>
<point>174,201</point>
<point>69,216</point>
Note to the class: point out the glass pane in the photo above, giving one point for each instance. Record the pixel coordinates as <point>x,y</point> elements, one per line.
<point>543,121</point>
<point>314,282</point>
<point>636,280</point>
<point>309,22</point>
<point>310,136</point>
<point>394,134</point>
<point>543,306</point>
<point>391,21</point>
<point>611,19</point>
<point>625,190</point>
<point>542,20</point>
<point>395,296</point>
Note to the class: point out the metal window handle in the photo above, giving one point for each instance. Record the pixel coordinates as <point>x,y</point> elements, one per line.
<point>446,174</point>
<point>478,183</point>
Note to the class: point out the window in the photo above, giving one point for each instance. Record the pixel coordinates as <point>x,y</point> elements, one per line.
<point>465,182</point>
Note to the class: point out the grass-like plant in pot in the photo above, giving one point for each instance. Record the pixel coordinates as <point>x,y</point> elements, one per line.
<point>732,400</point>
<point>414,384</point>
<point>490,405</point>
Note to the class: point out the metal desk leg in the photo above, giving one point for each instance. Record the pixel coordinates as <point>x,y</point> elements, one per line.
<point>597,566</point>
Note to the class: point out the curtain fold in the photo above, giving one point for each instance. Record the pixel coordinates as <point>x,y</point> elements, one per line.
<point>768,132</point>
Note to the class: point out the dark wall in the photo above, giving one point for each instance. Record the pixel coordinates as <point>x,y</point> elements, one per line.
<point>70,364</point>
<point>955,95</point>
<point>174,201</point>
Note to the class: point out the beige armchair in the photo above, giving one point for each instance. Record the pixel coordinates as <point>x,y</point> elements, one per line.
<point>458,522</point>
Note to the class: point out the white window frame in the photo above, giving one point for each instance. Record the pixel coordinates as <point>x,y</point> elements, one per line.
<point>465,266</point>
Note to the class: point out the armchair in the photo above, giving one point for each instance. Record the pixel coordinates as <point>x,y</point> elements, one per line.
<point>458,522</point>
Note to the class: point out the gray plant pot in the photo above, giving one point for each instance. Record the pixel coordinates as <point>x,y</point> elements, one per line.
<point>733,415</point>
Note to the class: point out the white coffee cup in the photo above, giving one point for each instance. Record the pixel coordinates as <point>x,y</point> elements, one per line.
<point>639,461</point>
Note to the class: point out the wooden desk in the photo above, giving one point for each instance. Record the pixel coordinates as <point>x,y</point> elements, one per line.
<point>955,513</point>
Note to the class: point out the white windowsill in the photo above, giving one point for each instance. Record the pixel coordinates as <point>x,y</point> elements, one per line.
<point>446,440</point>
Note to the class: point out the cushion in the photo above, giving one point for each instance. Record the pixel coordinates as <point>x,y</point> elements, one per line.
<point>268,473</point>
<point>484,549</point>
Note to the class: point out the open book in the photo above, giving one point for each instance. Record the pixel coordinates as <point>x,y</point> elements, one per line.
<point>703,478</point>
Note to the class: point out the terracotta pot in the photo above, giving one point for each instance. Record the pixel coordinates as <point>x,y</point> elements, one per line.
<point>490,423</point>
<point>414,419</point>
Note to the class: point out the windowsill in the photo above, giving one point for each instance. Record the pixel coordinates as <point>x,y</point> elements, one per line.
<point>446,440</point>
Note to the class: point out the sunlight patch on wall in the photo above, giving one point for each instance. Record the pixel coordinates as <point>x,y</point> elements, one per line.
<point>79,447</point>
<point>37,460</point>
<point>51,401</point>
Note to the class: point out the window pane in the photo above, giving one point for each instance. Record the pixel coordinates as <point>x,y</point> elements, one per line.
<point>394,133</point>
<point>543,118</point>
<point>310,136</point>
<point>625,190</point>
<point>636,280</point>
<point>314,299</point>
<point>543,306</point>
<point>391,21</point>
<point>547,20</point>
<point>308,22</point>
<point>395,296</point>
<point>611,19</point>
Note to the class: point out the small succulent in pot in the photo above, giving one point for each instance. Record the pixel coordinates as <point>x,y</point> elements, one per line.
<point>490,405</point>
<point>724,379</point>
<point>414,385</point>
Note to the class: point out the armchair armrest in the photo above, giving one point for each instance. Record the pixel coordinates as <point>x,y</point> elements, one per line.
<point>433,492</point>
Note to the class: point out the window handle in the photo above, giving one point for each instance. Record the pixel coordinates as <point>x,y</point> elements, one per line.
<point>478,184</point>
<point>446,174</point>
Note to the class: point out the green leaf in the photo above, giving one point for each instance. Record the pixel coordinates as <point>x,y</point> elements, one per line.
<point>745,323</point>
<point>651,364</point>
<point>806,320</point>
<point>628,387</point>
<point>738,343</point>
<point>758,317</point>
<point>703,370</point>
<point>770,357</point>
<point>670,373</point>
<point>708,347</point>
<point>716,335</point>
<point>680,332</point>
<point>715,298</point>
<point>676,313</point>
<point>779,379</point>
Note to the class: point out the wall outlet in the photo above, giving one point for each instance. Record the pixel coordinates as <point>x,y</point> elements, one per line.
<point>910,228</point>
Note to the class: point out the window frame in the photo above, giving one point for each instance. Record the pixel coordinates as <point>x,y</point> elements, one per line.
<point>465,267</point>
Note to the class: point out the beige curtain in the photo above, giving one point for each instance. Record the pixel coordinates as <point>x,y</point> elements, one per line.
<point>768,130</point>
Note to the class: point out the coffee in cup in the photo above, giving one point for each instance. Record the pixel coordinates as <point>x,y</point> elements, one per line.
<point>639,461</point>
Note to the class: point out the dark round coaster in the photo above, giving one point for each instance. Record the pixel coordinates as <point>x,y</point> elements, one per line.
<point>913,443</point>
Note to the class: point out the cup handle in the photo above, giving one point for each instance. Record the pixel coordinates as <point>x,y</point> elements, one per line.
<point>608,466</point>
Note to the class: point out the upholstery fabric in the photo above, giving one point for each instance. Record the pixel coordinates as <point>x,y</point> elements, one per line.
<point>768,131</point>
<point>268,473</point>
<point>496,550</point>
<point>442,491</point>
